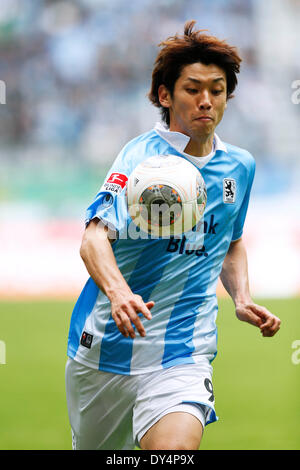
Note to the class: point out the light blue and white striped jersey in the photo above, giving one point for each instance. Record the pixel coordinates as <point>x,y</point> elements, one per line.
<point>179,274</point>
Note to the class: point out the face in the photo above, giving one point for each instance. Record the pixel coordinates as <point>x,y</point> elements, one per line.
<point>199,100</point>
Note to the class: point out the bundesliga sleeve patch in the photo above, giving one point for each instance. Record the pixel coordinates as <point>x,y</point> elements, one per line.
<point>115,183</point>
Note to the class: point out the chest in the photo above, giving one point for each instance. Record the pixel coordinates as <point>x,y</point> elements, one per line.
<point>226,186</point>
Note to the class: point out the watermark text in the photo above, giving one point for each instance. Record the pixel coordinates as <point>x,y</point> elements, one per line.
<point>2,352</point>
<point>296,94</point>
<point>2,92</point>
<point>296,353</point>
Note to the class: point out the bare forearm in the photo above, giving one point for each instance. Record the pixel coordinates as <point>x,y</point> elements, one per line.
<point>234,275</point>
<point>100,262</point>
<point>99,259</point>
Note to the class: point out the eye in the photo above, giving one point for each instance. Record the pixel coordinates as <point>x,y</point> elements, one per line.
<point>217,92</point>
<point>192,91</point>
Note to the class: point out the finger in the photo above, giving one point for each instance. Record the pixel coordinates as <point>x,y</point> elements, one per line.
<point>144,308</point>
<point>120,326</point>
<point>127,324</point>
<point>273,329</point>
<point>133,318</point>
<point>269,322</point>
<point>267,319</point>
<point>138,324</point>
<point>262,312</point>
<point>268,333</point>
<point>248,315</point>
<point>150,304</point>
<point>255,320</point>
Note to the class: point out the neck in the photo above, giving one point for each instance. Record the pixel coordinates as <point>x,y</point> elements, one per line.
<point>200,147</point>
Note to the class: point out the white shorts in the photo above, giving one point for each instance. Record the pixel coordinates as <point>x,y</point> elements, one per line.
<point>113,412</point>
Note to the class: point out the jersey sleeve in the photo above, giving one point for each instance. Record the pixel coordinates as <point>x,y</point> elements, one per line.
<point>240,220</point>
<point>110,204</point>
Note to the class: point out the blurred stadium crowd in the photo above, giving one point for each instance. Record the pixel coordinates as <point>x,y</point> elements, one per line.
<point>77,74</point>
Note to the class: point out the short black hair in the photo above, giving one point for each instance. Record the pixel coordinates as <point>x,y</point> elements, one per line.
<point>194,46</point>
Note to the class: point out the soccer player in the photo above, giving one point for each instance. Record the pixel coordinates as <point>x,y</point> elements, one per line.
<point>143,332</point>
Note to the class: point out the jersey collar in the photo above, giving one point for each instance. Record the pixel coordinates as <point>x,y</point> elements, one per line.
<point>179,141</point>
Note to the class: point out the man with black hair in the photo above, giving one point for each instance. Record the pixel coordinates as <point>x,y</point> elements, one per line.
<point>151,385</point>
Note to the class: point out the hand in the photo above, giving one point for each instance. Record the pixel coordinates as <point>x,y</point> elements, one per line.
<point>125,307</point>
<point>258,316</point>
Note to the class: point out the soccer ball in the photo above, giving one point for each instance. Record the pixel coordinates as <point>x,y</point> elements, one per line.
<point>166,195</point>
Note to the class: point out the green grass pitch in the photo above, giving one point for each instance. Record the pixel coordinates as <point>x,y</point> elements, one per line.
<point>256,384</point>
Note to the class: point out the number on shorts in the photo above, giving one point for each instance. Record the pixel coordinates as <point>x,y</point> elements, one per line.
<point>209,387</point>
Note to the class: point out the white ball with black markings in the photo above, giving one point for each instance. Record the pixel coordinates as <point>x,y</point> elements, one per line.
<point>166,195</point>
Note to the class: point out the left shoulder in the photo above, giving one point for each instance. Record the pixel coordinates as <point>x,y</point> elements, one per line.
<point>242,155</point>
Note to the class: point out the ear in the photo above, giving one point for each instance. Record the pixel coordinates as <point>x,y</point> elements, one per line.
<point>164,96</point>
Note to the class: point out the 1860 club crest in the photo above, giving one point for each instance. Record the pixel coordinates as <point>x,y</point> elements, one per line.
<point>229,190</point>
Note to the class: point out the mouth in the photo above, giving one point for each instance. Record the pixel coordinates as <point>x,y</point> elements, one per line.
<point>203,118</point>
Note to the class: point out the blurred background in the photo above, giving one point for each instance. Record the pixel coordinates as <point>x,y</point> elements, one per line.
<point>75,76</point>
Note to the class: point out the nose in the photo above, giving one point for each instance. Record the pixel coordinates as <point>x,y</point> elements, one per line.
<point>204,100</point>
